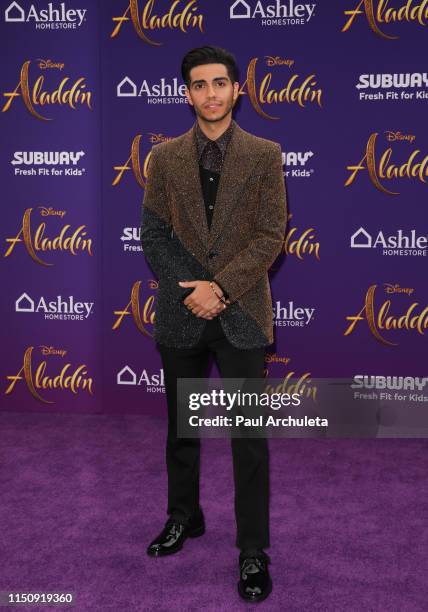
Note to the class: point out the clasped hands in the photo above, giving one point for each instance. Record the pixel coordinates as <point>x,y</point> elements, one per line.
<point>202,301</point>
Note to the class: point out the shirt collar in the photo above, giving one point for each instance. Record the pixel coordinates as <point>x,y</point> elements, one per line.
<point>222,141</point>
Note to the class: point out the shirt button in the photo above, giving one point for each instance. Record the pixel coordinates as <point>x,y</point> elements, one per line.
<point>210,207</point>
<point>211,178</point>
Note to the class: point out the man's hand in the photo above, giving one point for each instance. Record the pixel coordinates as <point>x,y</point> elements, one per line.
<point>202,301</point>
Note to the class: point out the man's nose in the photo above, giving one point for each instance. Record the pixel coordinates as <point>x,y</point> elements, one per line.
<point>211,92</point>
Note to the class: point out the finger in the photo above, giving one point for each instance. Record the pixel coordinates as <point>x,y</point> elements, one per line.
<point>218,307</point>
<point>206,313</point>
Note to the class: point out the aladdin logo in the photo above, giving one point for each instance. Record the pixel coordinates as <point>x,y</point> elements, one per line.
<point>273,14</point>
<point>46,19</point>
<point>297,90</point>
<point>379,14</point>
<point>294,384</point>
<point>41,159</point>
<point>180,16</point>
<point>133,162</point>
<point>290,316</point>
<point>142,316</point>
<point>396,244</point>
<point>380,321</point>
<point>69,240</point>
<point>301,243</point>
<point>154,383</point>
<point>402,81</point>
<point>132,234</point>
<point>70,378</point>
<point>66,309</point>
<point>67,93</point>
<point>159,93</point>
<point>415,167</point>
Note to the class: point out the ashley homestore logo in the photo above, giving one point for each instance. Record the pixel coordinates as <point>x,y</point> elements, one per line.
<point>162,92</point>
<point>276,13</point>
<point>401,243</point>
<point>59,308</point>
<point>50,18</point>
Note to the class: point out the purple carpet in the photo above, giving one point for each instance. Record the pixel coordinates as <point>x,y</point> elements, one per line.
<point>82,496</point>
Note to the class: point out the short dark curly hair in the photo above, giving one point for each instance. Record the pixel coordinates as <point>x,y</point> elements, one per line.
<point>208,55</point>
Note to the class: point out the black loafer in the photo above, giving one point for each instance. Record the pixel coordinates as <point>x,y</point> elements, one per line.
<point>255,583</point>
<point>173,536</point>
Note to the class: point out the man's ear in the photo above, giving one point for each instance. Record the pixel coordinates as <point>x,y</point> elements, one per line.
<point>189,99</point>
<point>235,91</point>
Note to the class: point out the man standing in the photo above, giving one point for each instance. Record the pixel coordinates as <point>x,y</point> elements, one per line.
<point>213,222</point>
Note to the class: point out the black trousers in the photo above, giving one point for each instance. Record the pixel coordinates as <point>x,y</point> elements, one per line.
<point>250,455</point>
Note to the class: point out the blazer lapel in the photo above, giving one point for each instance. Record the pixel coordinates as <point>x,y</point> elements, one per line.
<point>189,184</point>
<point>237,167</point>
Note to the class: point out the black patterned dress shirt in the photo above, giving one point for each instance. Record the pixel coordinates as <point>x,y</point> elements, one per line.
<point>211,154</point>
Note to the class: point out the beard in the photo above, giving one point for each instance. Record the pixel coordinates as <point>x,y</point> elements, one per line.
<point>200,112</point>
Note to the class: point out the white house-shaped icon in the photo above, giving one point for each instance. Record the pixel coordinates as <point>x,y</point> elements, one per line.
<point>240,10</point>
<point>28,304</point>
<point>122,377</point>
<point>361,239</point>
<point>126,88</point>
<point>14,13</point>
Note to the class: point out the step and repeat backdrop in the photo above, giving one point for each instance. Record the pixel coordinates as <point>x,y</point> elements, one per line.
<point>88,88</point>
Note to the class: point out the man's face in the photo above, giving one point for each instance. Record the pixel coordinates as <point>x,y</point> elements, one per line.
<point>211,92</point>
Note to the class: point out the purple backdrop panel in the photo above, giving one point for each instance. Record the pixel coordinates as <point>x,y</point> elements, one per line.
<point>51,230</point>
<point>87,91</point>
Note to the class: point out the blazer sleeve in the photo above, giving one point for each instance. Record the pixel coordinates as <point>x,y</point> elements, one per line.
<point>250,264</point>
<point>156,231</point>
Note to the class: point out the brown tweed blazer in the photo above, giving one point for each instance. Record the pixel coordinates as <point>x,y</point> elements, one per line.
<point>245,238</point>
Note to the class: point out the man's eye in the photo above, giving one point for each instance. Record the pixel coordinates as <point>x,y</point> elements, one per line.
<point>221,83</point>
